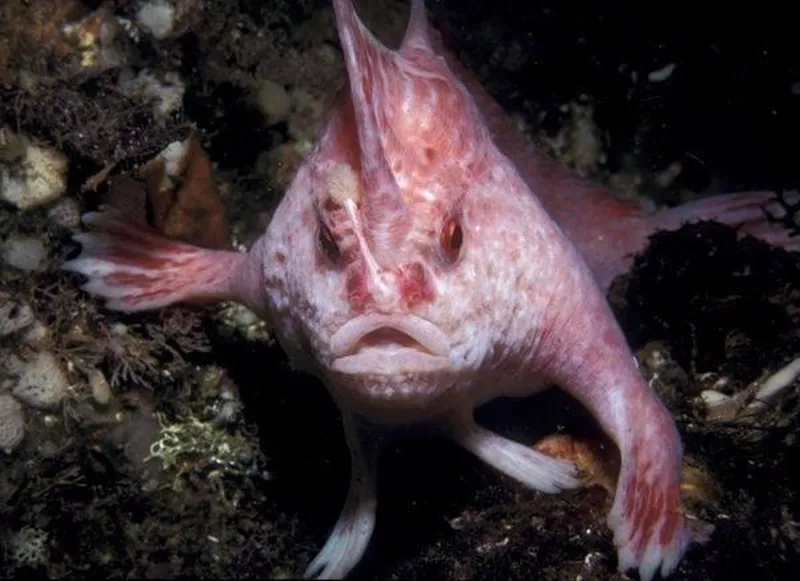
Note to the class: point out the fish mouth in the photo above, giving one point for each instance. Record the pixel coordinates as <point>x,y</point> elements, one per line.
<point>389,344</point>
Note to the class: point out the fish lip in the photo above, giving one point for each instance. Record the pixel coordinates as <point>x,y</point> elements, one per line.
<point>394,363</point>
<point>429,347</point>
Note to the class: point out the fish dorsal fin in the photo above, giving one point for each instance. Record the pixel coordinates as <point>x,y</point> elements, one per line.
<point>417,34</point>
<point>370,70</point>
<point>411,115</point>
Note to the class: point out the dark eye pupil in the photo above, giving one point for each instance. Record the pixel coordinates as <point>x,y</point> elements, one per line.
<point>328,244</point>
<point>456,237</point>
<point>452,239</point>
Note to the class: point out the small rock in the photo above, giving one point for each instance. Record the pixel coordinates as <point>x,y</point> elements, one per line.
<point>273,101</point>
<point>101,391</point>
<point>25,253</point>
<point>117,329</point>
<point>12,423</point>
<point>14,316</point>
<point>37,178</point>
<point>157,17</point>
<point>714,398</point>
<point>719,406</point>
<point>65,213</point>
<point>42,382</point>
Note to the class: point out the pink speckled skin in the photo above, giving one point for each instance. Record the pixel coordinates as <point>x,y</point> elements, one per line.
<point>518,309</point>
<point>415,266</point>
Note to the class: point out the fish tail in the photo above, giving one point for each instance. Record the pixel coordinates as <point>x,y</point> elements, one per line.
<point>768,216</point>
<point>135,268</point>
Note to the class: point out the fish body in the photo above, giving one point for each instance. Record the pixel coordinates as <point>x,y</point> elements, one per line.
<point>426,259</point>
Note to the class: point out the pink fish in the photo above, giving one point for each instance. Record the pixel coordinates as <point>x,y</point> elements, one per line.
<point>426,259</point>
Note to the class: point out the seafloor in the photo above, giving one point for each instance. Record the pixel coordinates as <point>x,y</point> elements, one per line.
<point>184,445</point>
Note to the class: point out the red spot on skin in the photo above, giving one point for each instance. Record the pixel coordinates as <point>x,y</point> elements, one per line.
<point>357,292</point>
<point>127,279</point>
<point>413,285</point>
<point>137,259</point>
<point>647,502</point>
<point>280,257</point>
<point>671,525</point>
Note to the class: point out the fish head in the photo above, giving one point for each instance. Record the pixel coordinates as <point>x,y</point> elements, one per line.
<point>405,229</point>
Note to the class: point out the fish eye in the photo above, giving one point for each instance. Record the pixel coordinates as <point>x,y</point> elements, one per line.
<point>327,243</point>
<point>452,239</point>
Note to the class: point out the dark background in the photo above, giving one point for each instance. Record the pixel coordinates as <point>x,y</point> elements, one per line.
<point>727,111</point>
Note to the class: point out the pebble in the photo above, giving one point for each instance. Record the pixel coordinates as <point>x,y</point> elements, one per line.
<point>719,406</point>
<point>101,391</point>
<point>14,316</point>
<point>273,101</point>
<point>25,253</point>
<point>42,381</point>
<point>39,177</point>
<point>12,423</point>
<point>65,213</point>
<point>157,17</point>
